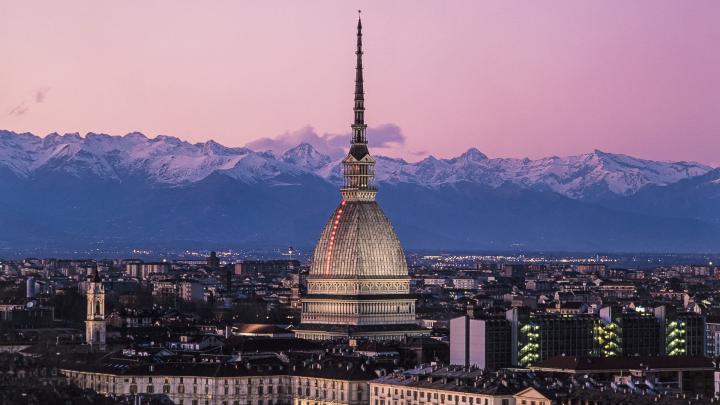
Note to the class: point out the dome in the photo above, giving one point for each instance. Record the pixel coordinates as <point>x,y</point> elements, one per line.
<point>358,241</point>
<point>358,286</point>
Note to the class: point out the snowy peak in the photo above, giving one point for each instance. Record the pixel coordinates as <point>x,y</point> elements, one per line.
<point>258,167</point>
<point>306,157</point>
<point>213,148</point>
<point>472,155</point>
<point>621,174</point>
<point>163,159</point>
<point>170,161</point>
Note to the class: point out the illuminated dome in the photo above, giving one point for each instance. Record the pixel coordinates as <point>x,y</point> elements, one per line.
<point>358,286</point>
<point>358,241</point>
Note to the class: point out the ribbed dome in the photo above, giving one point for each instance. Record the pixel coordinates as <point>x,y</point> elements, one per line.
<point>358,286</point>
<point>358,242</point>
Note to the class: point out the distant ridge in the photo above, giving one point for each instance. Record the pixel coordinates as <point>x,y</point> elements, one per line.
<point>169,160</point>
<point>133,189</point>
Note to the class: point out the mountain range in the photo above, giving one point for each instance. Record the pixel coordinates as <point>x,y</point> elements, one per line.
<point>82,191</point>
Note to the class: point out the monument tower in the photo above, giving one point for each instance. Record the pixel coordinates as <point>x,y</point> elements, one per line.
<point>358,285</point>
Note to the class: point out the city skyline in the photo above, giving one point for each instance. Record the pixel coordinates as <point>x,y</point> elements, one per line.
<point>159,271</point>
<point>521,80</point>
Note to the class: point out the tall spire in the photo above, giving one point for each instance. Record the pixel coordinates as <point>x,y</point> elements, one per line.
<point>358,165</point>
<point>359,109</point>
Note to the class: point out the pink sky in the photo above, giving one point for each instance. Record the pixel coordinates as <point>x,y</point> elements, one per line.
<point>514,79</point>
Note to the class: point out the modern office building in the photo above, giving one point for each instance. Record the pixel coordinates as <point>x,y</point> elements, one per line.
<point>713,336</point>
<point>538,336</point>
<point>685,333</point>
<point>485,343</point>
<point>140,270</point>
<point>628,332</point>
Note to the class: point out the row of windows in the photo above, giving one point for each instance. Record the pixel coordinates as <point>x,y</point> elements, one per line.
<point>415,394</point>
<point>208,402</point>
<point>442,399</point>
<point>150,389</point>
<point>324,394</point>
<point>411,394</point>
<point>304,386</point>
<point>323,384</point>
<point>149,380</point>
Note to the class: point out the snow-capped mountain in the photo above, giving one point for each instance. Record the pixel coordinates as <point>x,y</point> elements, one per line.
<point>163,159</point>
<point>81,191</point>
<point>573,176</point>
<point>170,161</point>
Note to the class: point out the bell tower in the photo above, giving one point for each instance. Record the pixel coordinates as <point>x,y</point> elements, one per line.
<point>95,320</point>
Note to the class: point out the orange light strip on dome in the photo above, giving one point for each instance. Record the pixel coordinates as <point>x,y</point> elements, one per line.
<point>331,242</point>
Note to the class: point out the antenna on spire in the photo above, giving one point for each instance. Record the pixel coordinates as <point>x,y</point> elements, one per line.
<point>359,121</point>
<point>358,166</point>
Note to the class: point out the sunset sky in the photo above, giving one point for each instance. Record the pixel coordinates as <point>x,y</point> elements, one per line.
<point>513,79</point>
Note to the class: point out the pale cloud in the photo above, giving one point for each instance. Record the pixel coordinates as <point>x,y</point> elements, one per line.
<point>39,96</point>
<point>19,109</point>
<point>385,136</point>
<point>41,93</point>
